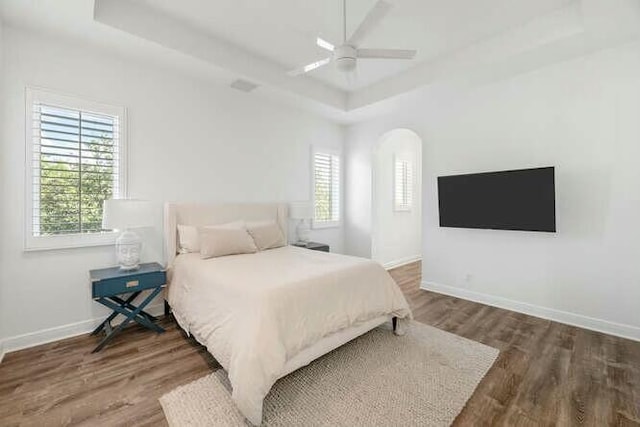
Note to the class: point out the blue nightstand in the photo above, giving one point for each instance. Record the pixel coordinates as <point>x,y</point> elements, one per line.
<point>108,283</point>
<point>314,246</point>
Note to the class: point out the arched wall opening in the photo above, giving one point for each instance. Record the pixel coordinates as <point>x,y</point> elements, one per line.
<point>396,235</point>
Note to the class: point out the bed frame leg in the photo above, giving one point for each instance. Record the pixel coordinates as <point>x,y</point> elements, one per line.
<point>167,308</point>
<point>394,322</point>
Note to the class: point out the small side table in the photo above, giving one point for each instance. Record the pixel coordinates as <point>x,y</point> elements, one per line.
<point>314,246</point>
<point>108,283</point>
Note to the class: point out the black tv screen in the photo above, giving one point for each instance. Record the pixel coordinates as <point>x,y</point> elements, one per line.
<point>508,200</point>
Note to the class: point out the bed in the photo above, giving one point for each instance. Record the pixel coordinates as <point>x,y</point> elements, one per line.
<point>266,314</point>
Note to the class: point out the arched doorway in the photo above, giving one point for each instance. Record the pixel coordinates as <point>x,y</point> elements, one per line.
<point>396,236</point>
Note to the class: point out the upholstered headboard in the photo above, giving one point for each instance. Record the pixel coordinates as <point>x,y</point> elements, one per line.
<point>211,214</point>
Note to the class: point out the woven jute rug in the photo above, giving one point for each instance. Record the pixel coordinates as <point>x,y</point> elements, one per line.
<point>421,379</point>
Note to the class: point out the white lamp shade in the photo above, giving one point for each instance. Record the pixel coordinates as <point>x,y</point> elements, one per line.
<point>301,210</point>
<point>123,214</point>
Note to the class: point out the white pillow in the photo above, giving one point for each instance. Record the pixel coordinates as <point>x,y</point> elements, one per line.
<point>266,234</point>
<point>221,241</point>
<point>188,239</point>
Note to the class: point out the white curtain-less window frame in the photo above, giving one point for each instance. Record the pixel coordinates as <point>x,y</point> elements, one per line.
<point>403,185</point>
<point>326,187</point>
<point>34,98</point>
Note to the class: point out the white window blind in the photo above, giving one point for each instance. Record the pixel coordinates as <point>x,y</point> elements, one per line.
<point>76,164</point>
<point>75,167</point>
<point>326,173</point>
<point>403,188</point>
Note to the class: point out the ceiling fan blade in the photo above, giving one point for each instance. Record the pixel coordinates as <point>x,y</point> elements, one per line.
<point>325,44</point>
<point>309,67</point>
<point>372,19</point>
<point>387,53</point>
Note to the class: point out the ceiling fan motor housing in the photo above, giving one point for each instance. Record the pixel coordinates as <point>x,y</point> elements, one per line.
<point>345,57</point>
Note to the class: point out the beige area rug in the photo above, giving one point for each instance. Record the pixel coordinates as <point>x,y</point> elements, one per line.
<point>421,379</point>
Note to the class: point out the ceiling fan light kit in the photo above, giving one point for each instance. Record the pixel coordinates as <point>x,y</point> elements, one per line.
<point>346,55</point>
<point>345,58</point>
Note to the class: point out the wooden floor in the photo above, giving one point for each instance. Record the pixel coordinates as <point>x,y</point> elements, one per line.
<point>547,373</point>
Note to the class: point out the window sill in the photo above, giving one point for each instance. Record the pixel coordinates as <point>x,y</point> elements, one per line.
<point>69,241</point>
<point>325,224</point>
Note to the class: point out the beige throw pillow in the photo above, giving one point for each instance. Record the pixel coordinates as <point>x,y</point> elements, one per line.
<point>219,241</point>
<point>188,235</point>
<point>266,234</point>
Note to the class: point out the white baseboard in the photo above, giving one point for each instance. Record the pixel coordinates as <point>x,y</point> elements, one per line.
<point>573,319</point>
<point>402,261</point>
<point>32,339</point>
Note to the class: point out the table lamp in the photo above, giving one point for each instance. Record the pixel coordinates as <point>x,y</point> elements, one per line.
<point>301,211</point>
<point>124,215</point>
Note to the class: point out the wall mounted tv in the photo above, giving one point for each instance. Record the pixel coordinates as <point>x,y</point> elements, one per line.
<point>507,200</point>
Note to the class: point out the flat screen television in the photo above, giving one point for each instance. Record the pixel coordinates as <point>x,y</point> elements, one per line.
<point>508,200</point>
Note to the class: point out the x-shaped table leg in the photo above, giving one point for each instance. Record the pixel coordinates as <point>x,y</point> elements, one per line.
<point>130,306</point>
<point>115,313</point>
<point>125,310</point>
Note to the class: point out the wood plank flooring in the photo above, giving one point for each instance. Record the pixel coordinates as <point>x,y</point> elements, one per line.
<point>547,373</point>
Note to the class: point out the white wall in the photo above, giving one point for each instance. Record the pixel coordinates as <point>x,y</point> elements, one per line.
<point>2,333</point>
<point>396,235</point>
<point>189,140</point>
<point>581,116</point>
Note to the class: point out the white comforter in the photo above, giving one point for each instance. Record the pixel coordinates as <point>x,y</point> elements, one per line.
<point>255,312</point>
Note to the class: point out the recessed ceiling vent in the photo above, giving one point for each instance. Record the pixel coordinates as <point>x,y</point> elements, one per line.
<point>243,85</point>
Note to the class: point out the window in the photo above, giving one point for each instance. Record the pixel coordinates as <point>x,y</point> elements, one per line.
<point>326,187</point>
<point>403,188</point>
<point>76,161</point>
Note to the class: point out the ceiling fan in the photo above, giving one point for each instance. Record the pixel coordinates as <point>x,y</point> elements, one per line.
<point>346,55</point>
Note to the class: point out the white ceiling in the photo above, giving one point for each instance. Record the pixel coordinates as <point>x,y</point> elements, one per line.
<point>259,40</point>
<point>284,31</point>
